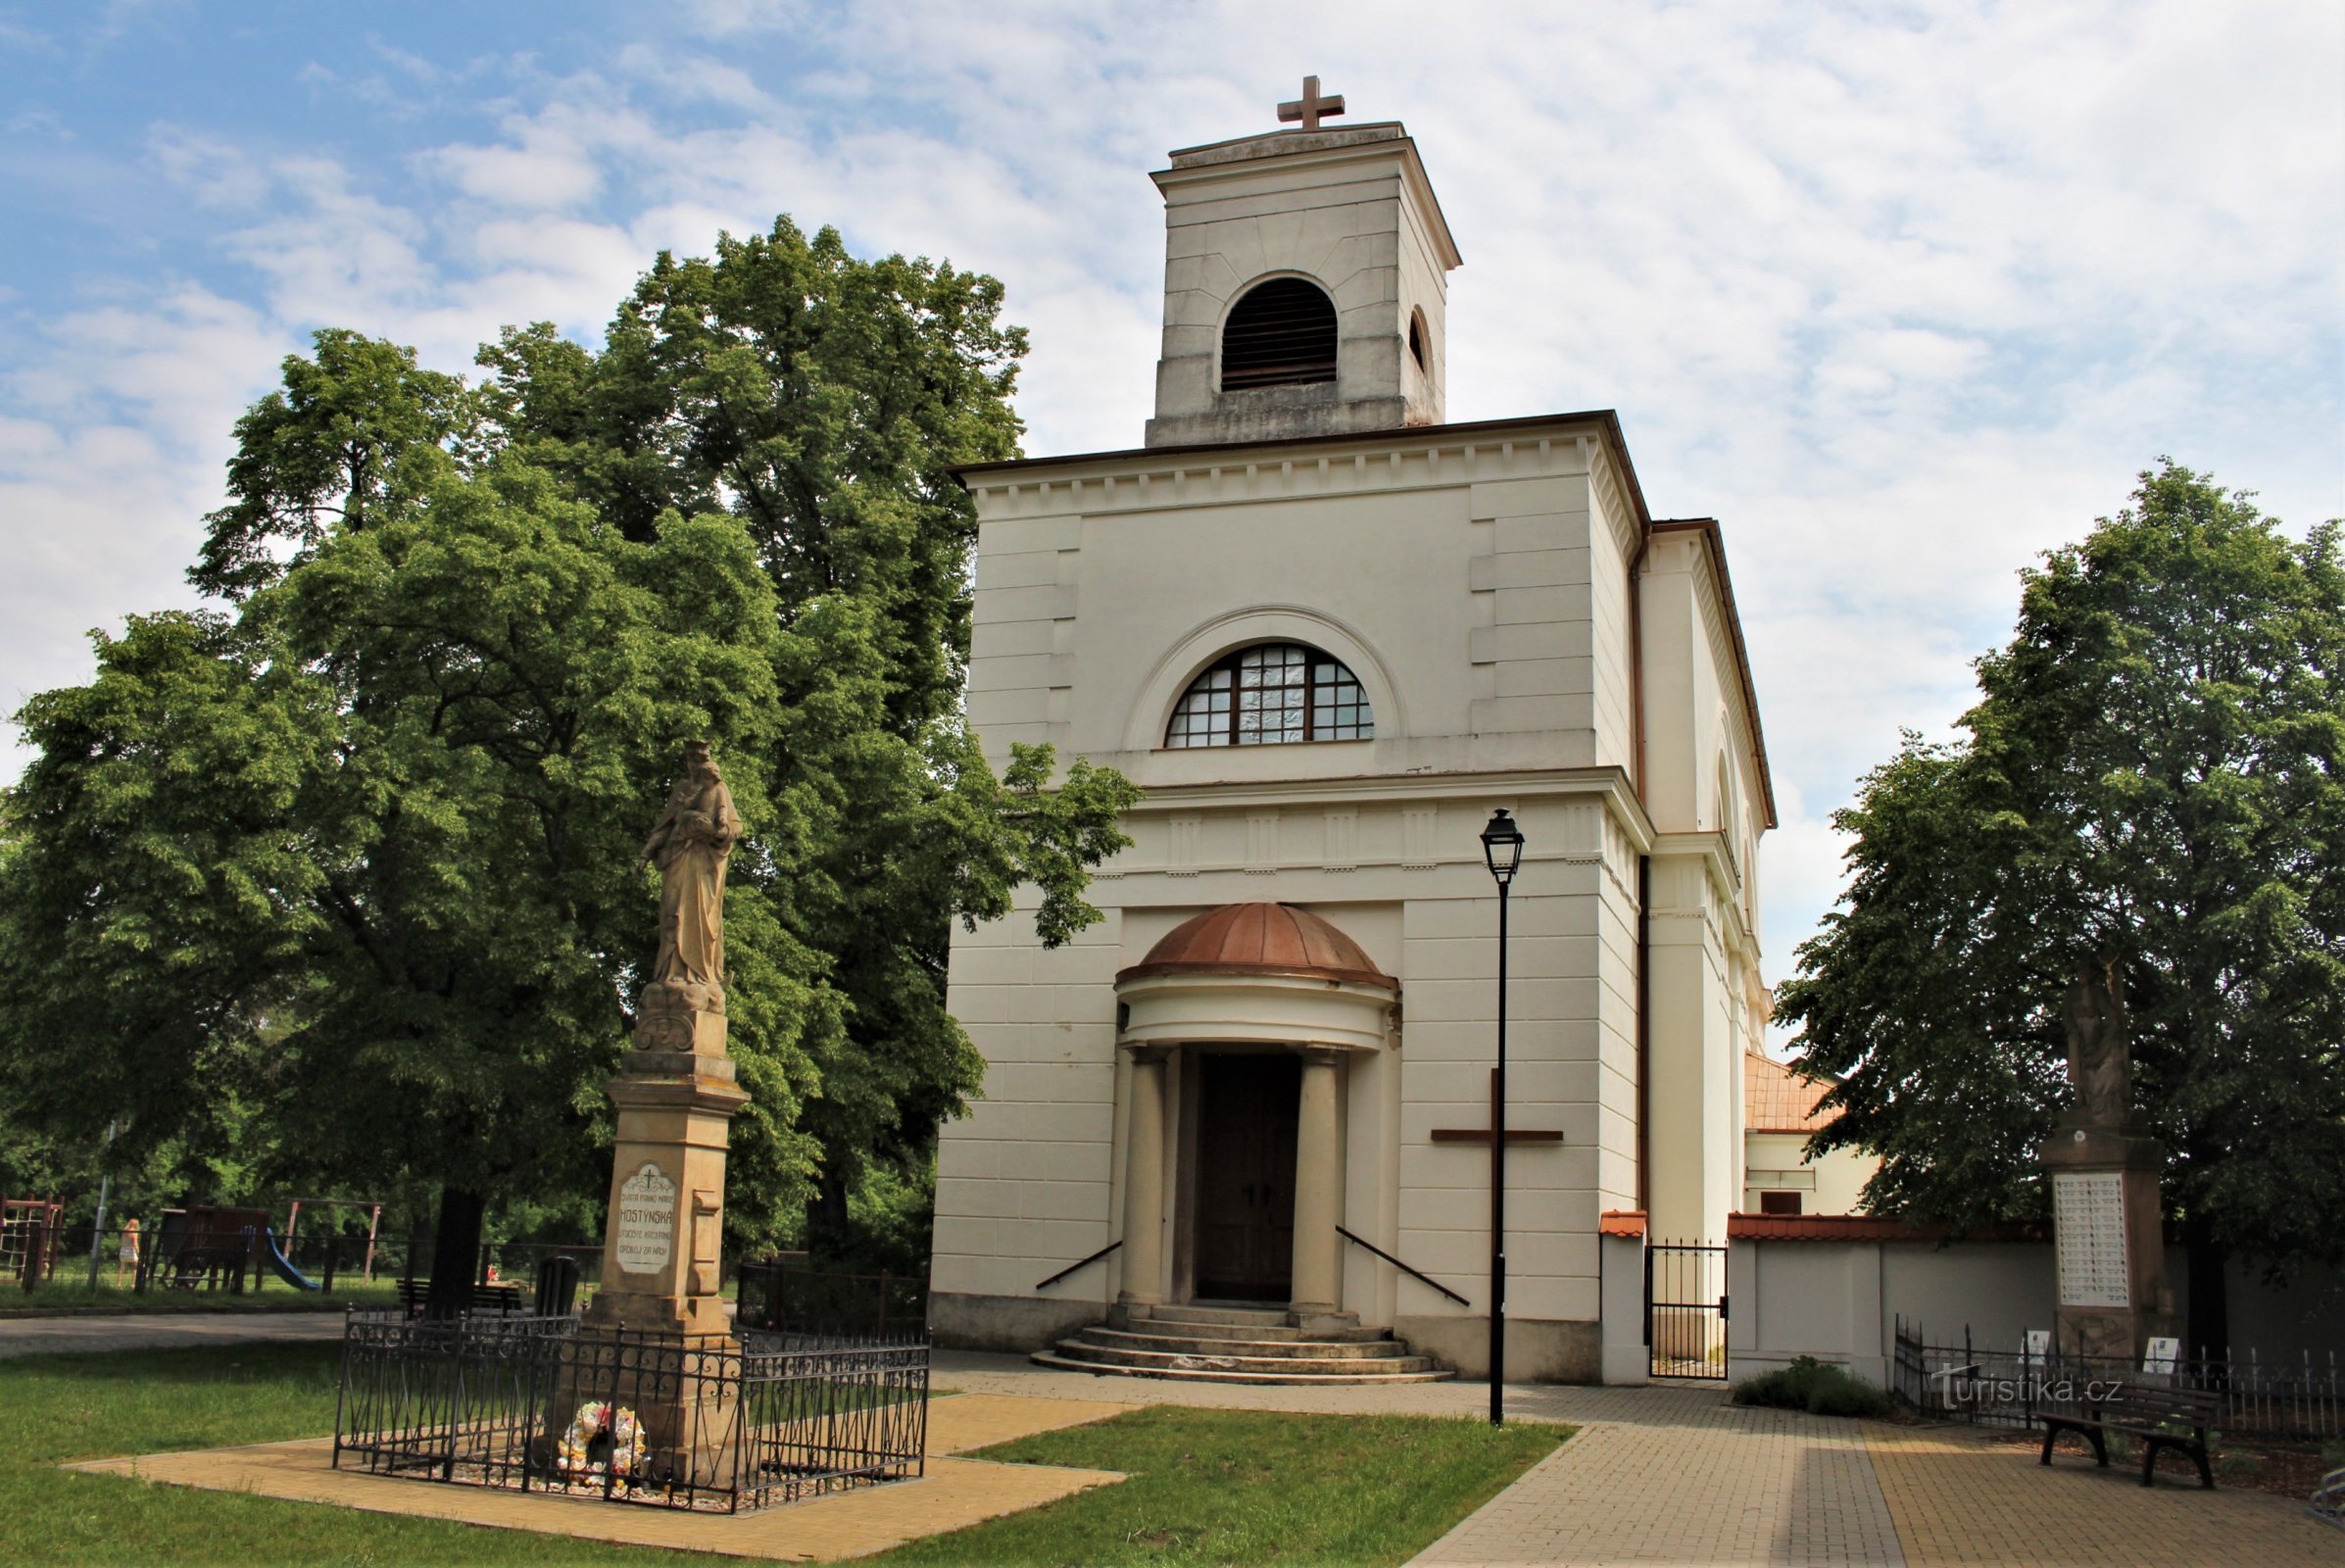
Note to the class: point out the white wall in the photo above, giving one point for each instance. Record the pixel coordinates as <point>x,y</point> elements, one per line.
<point>1841,1302</point>
<point>1830,1184</point>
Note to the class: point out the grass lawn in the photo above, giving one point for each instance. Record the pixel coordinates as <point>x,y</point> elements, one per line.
<point>1250,1487</point>
<point>57,1408</point>
<point>1208,1485</point>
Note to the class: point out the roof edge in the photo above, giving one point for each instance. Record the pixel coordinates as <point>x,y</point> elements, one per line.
<point>1708,528</point>
<point>1873,1227</point>
<point>1238,970</point>
<point>1607,419</point>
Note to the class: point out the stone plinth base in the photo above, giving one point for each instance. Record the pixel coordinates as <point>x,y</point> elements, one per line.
<point>685,1391</point>
<point>2113,1293</point>
<point>661,1264</point>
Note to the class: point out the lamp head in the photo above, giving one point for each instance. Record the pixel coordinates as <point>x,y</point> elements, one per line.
<point>1502,847</point>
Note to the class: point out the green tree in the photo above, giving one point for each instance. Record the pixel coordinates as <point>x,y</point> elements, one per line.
<point>2152,775</point>
<point>360,854</point>
<point>824,402</point>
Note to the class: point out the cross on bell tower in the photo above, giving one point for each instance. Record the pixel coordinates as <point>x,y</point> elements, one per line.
<point>1311,106</point>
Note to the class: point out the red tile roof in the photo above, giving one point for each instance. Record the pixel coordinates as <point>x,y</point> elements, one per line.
<point>1776,1099</point>
<point>1621,1222</point>
<point>1868,1228</point>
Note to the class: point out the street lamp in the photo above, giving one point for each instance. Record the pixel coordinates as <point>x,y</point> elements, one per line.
<point>1502,849</point>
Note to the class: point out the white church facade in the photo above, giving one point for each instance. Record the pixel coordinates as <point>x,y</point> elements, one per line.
<point>1329,634</point>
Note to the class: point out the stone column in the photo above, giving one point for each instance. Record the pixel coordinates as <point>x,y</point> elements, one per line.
<point>1318,1169</point>
<point>1144,1185</point>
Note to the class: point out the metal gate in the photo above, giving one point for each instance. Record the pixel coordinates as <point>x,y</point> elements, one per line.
<point>1685,1310</point>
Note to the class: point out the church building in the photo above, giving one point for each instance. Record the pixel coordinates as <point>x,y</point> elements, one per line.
<point>1330,634</point>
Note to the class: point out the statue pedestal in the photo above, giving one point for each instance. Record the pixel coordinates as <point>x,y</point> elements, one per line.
<point>2109,1230</point>
<point>676,1098</point>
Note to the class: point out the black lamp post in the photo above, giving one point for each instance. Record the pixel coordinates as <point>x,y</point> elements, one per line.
<point>1502,847</point>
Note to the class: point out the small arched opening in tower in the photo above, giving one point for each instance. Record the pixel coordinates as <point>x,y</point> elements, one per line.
<point>1416,343</point>
<point>1282,333</point>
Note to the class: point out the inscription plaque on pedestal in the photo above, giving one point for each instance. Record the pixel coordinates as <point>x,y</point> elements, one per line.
<point>645,1225</point>
<point>2088,1209</point>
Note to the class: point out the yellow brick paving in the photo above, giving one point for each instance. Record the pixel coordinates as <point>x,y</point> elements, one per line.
<point>954,1494</point>
<point>1961,1499</point>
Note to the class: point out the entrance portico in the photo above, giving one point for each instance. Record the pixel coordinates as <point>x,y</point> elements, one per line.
<point>1245,1017</point>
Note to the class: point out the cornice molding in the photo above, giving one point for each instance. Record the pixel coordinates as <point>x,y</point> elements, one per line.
<point>1610,783</point>
<point>1421,457</point>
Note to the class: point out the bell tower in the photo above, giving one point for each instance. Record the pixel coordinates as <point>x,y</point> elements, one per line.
<point>1305,284</point>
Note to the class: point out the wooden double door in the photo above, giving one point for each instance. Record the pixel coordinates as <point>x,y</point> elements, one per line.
<point>1246,1114</point>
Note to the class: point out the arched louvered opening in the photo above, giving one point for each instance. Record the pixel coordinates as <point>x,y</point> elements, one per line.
<point>1416,342</point>
<point>1282,333</point>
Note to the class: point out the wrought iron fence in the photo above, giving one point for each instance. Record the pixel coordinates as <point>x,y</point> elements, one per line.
<point>2300,1402</point>
<point>541,1403</point>
<point>783,1295</point>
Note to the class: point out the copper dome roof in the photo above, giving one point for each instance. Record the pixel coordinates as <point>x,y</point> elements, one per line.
<point>1259,939</point>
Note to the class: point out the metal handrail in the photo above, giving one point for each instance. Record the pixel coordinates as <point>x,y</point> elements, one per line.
<point>1086,1263</point>
<point>1404,1267</point>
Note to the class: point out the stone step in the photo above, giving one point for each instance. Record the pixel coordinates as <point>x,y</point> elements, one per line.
<point>1264,1316</point>
<point>1087,1353</point>
<point>1369,1344</point>
<point>1258,1332</point>
<point>1345,1378</point>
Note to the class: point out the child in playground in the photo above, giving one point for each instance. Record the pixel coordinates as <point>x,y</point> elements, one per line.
<point>126,1259</point>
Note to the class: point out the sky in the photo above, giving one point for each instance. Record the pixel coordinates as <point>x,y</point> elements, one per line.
<point>1903,294</point>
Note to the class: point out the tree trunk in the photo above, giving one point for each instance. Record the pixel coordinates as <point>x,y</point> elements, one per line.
<point>455,1252</point>
<point>2210,1329</point>
<point>830,1229</point>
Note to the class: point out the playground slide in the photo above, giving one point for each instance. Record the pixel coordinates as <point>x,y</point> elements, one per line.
<point>284,1269</point>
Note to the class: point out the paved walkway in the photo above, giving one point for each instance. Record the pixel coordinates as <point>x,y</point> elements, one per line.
<point>1685,1481</point>
<point>133,1331</point>
<point>1674,1475</point>
<point>1960,1499</point>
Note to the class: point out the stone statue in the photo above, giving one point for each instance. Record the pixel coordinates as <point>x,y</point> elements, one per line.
<point>2100,1057</point>
<point>690,846</point>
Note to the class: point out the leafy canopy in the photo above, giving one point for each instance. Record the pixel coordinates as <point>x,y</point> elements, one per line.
<point>360,853</point>
<point>2152,773</point>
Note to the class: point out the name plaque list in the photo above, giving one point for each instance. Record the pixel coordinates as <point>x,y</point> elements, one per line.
<point>2088,1225</point>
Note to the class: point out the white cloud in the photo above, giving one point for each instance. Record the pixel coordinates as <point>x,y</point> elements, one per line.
<point>1903,295</point>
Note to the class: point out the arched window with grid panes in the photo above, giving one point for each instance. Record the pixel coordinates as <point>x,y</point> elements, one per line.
<point>1269,695</point>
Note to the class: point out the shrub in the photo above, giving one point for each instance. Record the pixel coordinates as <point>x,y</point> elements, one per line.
<point>1815,1386</point>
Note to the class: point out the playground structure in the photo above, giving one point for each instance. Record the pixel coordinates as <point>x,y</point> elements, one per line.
<point>374,1219</point>
<point>29,1231</point>
<point>205,1245</point>
<point>215,1245</point>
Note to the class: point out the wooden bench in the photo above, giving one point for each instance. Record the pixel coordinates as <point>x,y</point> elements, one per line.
<point>2154,1416</point>
<point>500,1299</point>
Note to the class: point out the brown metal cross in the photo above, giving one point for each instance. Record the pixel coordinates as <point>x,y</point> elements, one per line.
<point>1482,1135</point>
<point>1311,106</point>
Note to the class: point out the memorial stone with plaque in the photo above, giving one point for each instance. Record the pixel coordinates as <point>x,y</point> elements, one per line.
<point>2107,1220</point>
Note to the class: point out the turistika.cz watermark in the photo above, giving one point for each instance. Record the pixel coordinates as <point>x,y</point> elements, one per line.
<point>1961,1385</point>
